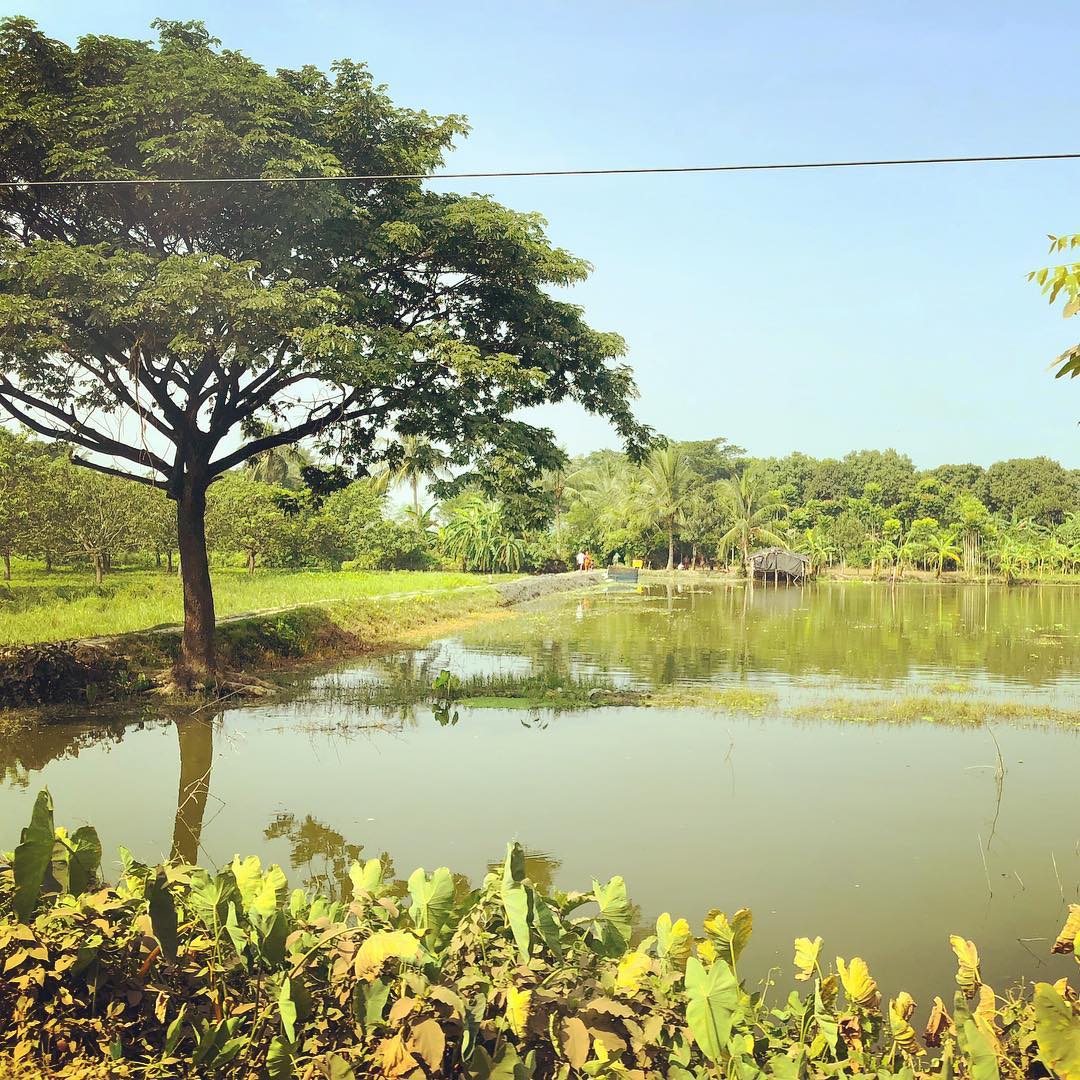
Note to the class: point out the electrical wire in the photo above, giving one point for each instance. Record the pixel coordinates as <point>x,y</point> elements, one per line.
<point>513,174</point>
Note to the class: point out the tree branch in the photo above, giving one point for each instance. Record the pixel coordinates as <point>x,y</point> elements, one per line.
<point>161,485</point>
<point>338,414</point>
<point>74,430</point>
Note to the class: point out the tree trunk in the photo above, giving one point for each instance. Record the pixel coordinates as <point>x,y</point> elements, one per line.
<point>7,565</point>
<point>99,572</point>
<point>670,548</point>
<point>196,662</point>
<point>168,561</point>
<point>251,562</point>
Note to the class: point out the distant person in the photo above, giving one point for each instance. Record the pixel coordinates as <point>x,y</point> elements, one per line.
<point>581,560</point>
<point>588,564</point>
<point>616,559</point>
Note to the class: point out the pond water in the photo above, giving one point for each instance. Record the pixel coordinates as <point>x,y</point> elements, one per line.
<point>882,837</point>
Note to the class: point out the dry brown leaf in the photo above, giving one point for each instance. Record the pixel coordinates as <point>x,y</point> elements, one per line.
<point>1066,940</point>
<point>938,1024</point>
<point>427,1041</point>
<point>574,1040</point>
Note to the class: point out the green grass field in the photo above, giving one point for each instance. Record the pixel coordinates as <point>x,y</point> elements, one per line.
<point>39,606</point>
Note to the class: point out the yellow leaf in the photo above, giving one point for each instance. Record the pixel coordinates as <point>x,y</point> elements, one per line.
<point>673,940</point>
<point>707,953</point>
<point>730,937</point>
<point>902,1031</point>
<point>858,983</point>
<point>394,1057</point>
<point>382,946</point>
<point>905,1004</point>
<point>967,957</point>
<point>518,1003</point>
<point>631,969</point>
<point>1066,940</point>
<point>806,957</point>
<point>985,1017</point>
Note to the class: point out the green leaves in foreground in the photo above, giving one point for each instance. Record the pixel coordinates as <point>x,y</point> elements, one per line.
<point>1057,1030</point>
<point>425,978</point>
<point>33,855</point>
<point>711,999</point>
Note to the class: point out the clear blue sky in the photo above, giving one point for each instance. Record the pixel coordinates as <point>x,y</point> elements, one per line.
<point>813,311</point>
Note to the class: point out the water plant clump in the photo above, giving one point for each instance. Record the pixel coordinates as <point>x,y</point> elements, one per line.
<point>177,971</point>
<point>550,690</point>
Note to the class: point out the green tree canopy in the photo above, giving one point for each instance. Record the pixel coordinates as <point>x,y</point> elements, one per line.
<point>159,328</point>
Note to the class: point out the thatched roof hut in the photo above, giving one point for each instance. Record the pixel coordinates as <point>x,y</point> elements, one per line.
<point>779,563</point>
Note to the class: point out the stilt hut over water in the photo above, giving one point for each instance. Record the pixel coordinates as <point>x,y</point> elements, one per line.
<point>778,564</point>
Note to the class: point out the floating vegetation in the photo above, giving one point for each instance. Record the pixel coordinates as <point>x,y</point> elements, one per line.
<point>551,691</point>
<point>956,712</point>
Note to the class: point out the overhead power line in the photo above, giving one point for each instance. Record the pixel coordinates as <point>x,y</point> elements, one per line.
<point>511,174</point>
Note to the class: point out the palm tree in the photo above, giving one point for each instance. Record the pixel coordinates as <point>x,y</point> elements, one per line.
<point>663,493</point>
<point>754,509</point>
<point>420,460</point>
<point>280,465</point>
<point>941,547</point>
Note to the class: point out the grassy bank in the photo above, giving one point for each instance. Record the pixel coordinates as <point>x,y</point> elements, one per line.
<point>176,971</point>
<point>87,673</point>
<point>61,605</point>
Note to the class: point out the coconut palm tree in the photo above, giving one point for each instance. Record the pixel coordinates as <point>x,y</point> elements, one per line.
<point>279,466</point>
<point>420,460</point>
<point>941,547</point>
<point>754,509</point>
<point>662,496</point>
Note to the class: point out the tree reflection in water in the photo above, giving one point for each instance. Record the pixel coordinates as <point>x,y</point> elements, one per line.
<point>195,736</point>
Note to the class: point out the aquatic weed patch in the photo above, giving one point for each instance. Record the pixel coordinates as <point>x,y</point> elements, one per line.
<point>176,971</point>
<point>939,709</point>
<point>548,690</point>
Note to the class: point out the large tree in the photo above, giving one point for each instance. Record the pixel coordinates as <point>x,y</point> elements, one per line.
<point>158,328</point>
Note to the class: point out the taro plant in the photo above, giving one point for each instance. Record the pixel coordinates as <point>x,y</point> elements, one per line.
<point>176,971</point>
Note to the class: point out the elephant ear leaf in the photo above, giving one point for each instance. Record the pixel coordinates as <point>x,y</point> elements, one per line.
<point>979,1051</point>
<point>1069,938</point>
<point>613,922</point>
<point>33,856</point>
<point>806,957</point>
<point>1057,1032</point>
<point>674,941</point>
<point>516,899</point>
<point>712,997</point>
<point>859,984</point>
<point>84,866</point>
<point>432,899</point>
<point>967,959</point>
<point>163,915</point>
<point>730,938</point>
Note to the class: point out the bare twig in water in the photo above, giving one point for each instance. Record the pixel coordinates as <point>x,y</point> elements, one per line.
<point>1061,888</point>
<point>986,868</point>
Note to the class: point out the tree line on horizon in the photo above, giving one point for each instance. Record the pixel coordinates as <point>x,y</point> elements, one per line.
<point>688,503</point>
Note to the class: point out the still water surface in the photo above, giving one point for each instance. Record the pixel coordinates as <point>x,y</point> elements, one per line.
<point>881,838</point>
